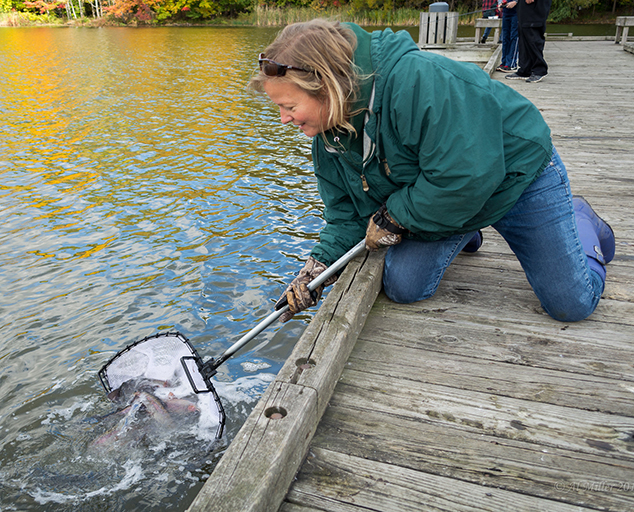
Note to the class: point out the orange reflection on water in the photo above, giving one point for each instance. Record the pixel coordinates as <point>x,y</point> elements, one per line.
<point>143,110</point>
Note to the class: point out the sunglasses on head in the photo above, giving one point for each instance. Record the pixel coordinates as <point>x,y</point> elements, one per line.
<point>271,68</point>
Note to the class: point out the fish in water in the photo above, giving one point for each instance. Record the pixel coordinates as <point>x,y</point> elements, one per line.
<point>141,412</point>
<point>131,387</point>
<point>155,408</point>
<point>180,405</point>
<point>133,425</point>
<point>110,437</point>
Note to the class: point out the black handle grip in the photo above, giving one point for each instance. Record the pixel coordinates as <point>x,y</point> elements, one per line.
<point>281,303</point>
<point>284,300</point>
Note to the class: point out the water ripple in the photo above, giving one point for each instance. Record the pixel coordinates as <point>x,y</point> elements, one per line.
<point>142,189</point>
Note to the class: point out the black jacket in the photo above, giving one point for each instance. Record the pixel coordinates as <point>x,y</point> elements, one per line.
<point>533,14</point>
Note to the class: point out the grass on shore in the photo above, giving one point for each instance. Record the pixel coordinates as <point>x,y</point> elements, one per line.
<point>263,16</point>
<point>21,19</point>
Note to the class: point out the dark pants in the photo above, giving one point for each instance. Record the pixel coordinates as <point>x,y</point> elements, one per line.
<point>509,42</point>
<point>531,46</point>
<point>489,13</point>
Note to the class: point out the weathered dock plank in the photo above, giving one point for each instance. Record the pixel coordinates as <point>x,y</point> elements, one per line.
<point>360,483</point>
<point>491,411</point>
<point>597,349</point>
<point>486,57</point>
<point>469,373</point>
<point>467,456</point>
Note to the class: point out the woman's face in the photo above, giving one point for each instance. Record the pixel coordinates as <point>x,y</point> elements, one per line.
<point>306,112</point>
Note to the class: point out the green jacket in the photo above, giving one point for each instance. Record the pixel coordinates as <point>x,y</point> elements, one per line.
<point>445,147</point>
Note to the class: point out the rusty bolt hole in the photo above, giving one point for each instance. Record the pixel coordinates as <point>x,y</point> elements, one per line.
<point>275,413</point>
<point>305,364</point>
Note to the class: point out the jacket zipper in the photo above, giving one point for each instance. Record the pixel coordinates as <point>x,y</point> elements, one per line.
<point>386,167</point>
<point>365,183</point>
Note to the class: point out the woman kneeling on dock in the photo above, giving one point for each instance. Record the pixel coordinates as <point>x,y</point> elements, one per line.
<point>418,152</point>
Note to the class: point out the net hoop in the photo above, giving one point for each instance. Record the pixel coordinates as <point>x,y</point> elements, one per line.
<point>162,356</point>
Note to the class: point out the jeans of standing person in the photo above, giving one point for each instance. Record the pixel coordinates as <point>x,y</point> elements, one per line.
<point>510,50</point>
<point>542,232</point>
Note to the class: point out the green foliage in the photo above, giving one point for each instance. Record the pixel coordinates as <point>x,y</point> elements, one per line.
<point>186,9</point>
<point>168,9</point>
<point>6,5</point>
<point>26,18</point>
<point>364,5</point>
<point>568,9</point>
<point>272,4</point>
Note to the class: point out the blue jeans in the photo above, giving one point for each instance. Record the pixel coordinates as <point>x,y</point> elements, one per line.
<point>510,50</point>
<point>542,232</point>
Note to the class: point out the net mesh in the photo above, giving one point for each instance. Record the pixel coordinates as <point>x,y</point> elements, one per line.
<point>160,361</point>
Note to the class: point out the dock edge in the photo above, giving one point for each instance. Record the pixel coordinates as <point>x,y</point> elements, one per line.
<point>257,469</point>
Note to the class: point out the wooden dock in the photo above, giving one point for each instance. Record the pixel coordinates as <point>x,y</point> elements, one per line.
<point>474,399</point>
<point>486,56</point>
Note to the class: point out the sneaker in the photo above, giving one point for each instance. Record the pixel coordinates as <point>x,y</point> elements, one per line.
<point>533,79</point>
<point>504,69</point>
<point>515,76</point>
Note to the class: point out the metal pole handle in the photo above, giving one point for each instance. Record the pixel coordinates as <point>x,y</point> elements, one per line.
<point>314,284</point>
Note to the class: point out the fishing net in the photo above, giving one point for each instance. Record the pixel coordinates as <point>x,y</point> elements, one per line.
<point>166,367</point>
<point>169,367</point>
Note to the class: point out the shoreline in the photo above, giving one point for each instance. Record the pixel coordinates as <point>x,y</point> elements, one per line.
<point>16,19</point>
<point>73,24</point>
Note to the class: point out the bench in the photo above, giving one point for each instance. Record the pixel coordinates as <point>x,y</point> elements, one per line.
<point>438,28</point>
<point>623,24</point>
<point>481,23</point>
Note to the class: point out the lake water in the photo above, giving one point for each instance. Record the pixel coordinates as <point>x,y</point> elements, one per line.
<point>142,190</point>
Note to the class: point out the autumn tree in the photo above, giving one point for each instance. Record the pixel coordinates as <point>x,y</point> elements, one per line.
<point>139,11</point>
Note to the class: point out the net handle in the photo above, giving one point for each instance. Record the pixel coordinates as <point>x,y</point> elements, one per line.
<point>314,284</point>
<point>222,417</point>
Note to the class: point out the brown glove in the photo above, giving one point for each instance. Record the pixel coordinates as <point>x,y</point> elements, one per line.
<point>298,296</point>
<point>383,231</point>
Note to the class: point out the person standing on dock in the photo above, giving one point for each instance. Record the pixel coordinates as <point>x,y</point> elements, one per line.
<point>400,160</point>
<point>509,37</point>
<point>489,10</point>
<point>531,17</point>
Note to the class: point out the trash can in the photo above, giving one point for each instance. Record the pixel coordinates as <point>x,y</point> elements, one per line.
<point>439,7</point>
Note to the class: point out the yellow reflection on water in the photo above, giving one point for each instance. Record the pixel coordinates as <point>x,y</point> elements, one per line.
<point>145,109</point>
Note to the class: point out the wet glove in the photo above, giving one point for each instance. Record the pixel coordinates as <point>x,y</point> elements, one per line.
<point>297,295</point>
<point>383,231</point>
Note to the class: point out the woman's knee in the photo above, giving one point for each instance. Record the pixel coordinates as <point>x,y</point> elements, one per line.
<point>406,290</point>
<point>570,316</point>
<point>573,309</point>
<point>413,269</point>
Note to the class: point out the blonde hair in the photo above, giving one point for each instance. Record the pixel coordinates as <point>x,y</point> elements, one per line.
<point>326,49</point>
